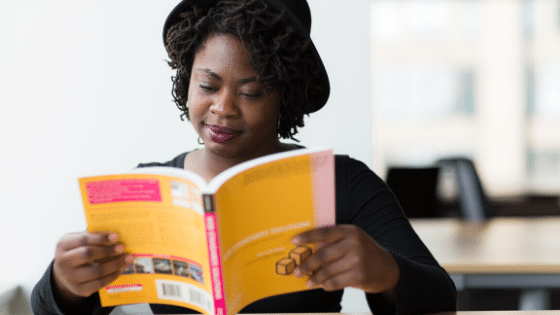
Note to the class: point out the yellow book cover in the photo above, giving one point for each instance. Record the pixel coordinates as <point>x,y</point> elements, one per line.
<point>213,247</point>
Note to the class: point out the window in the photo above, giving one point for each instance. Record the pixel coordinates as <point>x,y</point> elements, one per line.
<point>477,78</point>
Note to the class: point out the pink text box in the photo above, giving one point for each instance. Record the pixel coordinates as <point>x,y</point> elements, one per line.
<point>123,190</point>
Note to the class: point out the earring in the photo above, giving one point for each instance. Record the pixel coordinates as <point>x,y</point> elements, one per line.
<point>200,141</point>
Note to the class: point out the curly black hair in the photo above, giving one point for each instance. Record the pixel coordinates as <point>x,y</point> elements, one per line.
<point>279,56</point>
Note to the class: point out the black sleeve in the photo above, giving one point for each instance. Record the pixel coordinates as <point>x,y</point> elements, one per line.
<point>367,202</point>
<point>45,300</point>
<point>178,162</point>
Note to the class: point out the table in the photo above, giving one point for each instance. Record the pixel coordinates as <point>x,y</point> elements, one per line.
<point>521,253</point>
<point>508,313</point>
<point>452,313</point>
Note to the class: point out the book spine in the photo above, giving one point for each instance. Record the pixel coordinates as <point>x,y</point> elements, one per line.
<point>323,188</point>
<point>208,201</point>
<point>214,254</point>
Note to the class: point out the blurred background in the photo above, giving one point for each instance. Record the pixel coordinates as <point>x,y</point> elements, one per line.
<point>474,79</point>
<point>479,79</point>
<point>85,90</point>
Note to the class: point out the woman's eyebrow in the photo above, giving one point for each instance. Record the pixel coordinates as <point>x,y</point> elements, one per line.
<point>246,80</point>
<point>215,75</point>
<point>210,73</point>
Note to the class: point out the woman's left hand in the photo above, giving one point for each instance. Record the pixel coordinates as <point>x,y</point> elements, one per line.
<point>351,258</point>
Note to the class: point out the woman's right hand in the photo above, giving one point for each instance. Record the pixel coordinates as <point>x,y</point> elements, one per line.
<point>85,262</point>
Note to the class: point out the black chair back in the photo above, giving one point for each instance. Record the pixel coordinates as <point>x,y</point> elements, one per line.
<point>415,189</point>
<point>473,201</point>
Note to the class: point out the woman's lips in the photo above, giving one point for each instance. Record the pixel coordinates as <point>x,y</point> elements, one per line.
<point>219,129</point>
<point>221,135</point>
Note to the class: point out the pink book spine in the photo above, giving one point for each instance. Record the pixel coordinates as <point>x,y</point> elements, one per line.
<point>215,263</point>
<point>323,188</point>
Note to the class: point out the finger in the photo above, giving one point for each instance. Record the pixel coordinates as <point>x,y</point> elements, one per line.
<point>73,240</point>
<point>85,280</point>
<point>100,270</point>
<point>87,254</point>
<point>88,288</point>
<point>327,235</point>
<point>337,282</point>
<point>321,258</point>
<point>328,271</point>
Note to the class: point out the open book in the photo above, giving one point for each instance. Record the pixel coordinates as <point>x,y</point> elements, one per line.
<point>216,247</point>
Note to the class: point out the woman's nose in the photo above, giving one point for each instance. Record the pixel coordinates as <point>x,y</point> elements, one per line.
<point>225,105</point>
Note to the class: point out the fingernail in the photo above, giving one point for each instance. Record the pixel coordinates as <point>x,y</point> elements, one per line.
<point>113,237</point>
<point>119,248</point>
<point>129,259</point>
<point>309,284</point>
<point>297,272</point>
<point>295,240</point>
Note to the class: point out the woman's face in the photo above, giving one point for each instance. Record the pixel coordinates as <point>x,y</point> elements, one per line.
<point>227,106</point>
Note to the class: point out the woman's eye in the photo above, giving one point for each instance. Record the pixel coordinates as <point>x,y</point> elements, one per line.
<point>207,87</point>
<point>252,95</point>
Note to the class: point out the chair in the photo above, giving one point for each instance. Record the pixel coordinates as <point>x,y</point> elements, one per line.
<point>416,189</point>
<point>473,202</point>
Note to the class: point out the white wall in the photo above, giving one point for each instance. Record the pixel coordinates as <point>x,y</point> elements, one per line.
<point>85,89</point>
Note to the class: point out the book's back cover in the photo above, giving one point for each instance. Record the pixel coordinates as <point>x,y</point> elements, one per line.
<point>159,219</point>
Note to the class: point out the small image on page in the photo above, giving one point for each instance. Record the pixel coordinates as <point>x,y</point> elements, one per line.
<point>180,194</point>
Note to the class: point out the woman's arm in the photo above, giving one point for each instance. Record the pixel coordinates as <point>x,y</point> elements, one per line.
<point>46,300</point>
<point>376,240</point>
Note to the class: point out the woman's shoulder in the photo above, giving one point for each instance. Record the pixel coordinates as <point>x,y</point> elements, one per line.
<point>350,165</point>
<point>353,175</point>
<point>344,163</point>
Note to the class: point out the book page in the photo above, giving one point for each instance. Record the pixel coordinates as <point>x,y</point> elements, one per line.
<point>258,212</point>
<point>159,219</point>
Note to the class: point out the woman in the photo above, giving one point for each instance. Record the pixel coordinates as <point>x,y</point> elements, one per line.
<point>247,72</point>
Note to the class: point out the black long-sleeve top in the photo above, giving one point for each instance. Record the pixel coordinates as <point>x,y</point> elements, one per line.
<point>362,199</point>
